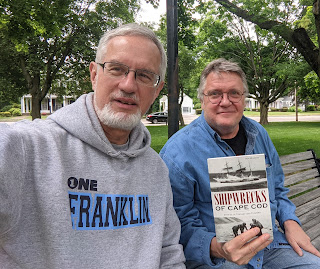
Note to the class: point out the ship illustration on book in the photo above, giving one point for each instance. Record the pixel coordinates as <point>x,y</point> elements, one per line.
<point>240,196</point>
<point>237,172</point>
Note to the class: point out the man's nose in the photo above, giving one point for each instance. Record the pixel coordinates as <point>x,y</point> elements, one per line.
<point>225,98</point>
<point>128,83</point>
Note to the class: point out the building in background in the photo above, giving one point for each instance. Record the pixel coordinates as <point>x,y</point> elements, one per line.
<point>186,107</point>
<point>49,104</point>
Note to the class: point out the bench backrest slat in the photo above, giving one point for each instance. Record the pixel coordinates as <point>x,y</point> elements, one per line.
<point>296,157</point>
<point>302,177</point>
<point>304,186</point>
<point>298,166</point>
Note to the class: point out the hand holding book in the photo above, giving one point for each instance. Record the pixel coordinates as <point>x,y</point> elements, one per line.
<point>242,248</point>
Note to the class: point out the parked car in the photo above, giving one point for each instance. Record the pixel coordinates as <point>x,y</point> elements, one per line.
<point>157,117</point>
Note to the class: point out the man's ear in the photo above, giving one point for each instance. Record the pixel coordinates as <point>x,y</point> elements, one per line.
<point>93,74</point>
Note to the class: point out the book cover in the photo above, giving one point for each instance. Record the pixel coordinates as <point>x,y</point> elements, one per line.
<point>240,196</point>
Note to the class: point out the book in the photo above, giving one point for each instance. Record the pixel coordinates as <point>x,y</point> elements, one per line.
<point>240,196</point>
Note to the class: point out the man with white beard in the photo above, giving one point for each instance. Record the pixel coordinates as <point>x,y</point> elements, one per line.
<point>83,188</point>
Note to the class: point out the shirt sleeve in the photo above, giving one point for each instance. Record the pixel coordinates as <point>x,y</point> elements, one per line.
<point>172,252</point>
<point>195,237</point>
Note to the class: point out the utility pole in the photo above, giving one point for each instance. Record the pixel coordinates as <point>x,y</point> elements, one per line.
<point>172,52</point>
<point>296,99</point>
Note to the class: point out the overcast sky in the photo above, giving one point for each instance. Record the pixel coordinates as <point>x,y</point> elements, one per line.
<point>149,14</point>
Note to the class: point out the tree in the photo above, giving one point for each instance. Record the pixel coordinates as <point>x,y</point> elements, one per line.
<point>55,38</point>
<point>269,62</point>
<point>311,92</point>
<point>279,17</point>
<point>12,84</point>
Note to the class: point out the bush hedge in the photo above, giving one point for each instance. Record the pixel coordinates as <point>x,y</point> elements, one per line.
<point>5,114</point>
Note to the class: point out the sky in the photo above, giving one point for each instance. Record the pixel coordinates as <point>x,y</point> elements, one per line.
<point>149,14</point>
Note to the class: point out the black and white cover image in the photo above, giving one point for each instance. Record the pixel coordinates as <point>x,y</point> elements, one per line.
<point>240,196</point>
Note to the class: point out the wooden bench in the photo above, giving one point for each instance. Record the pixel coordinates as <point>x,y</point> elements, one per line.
<point>302,177</point>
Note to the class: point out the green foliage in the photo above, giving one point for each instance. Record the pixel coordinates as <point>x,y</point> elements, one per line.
<point>9,107</point>
<point>311,91</point>
<point>6,108</point>
<point>293,109</point>
<point>311,108</point>
<point>15,111</point>
<point>5,114</point>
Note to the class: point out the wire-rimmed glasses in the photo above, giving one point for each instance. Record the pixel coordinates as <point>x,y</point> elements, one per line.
<point>119,70</point>
<point>215,97</point>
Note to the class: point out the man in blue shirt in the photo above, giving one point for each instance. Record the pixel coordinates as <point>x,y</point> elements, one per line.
<point>221,131</point>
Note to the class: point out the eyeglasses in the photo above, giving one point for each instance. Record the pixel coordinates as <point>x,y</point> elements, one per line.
<point>118,70</point>
<point>215,97</point>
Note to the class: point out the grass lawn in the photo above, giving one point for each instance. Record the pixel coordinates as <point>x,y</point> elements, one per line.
<point>288,137</point>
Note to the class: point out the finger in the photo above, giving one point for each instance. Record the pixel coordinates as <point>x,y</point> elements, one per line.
<point>296,248</point>
<point>245,237</point>
<point>250,249</point>
<point>310,248</point>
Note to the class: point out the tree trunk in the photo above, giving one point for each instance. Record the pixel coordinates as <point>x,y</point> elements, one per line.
<point>264,113</point>
<point>181,117</point>
<point>36,107</point>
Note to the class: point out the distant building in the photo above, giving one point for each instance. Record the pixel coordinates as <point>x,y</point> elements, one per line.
<point>186,107</point>
<point>49,104</point>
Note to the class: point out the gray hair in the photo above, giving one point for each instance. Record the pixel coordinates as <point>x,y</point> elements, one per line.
<point>133,29</point>
<point>217,66</point>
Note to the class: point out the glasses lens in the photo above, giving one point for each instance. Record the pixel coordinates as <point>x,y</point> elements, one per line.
<point>146,78</point>
<point>143,77</point>
<point>115,69</point>
<point>215,97</point>
<point>234,96</point>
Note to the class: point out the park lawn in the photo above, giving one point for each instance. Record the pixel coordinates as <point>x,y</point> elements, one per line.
<point>288,137</point>
<point>280,114</point>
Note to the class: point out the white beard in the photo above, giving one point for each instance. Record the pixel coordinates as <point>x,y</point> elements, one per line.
<point>117,120</point>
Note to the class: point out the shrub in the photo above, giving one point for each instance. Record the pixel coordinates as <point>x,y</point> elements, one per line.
<point>273,109</point>
<point>15,112</point>
<point>6,108</point>
<point>311,108</point>
<point>197,106</point>
<point>198,111</point>
<point>5,114</point>
<point>15,105</point>
<point>293,109</point>
<point>284,109</point>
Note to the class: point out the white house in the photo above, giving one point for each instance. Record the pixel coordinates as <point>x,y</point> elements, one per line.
<point>49,104</point>
<point>187,104</point>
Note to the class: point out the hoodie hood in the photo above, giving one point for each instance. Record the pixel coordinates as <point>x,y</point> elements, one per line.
<point>80,120</point>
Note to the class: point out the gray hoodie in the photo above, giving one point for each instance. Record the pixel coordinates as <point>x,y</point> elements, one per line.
<point>69,199</point>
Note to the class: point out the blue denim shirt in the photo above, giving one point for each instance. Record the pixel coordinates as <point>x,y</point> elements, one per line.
<point>186,154</point>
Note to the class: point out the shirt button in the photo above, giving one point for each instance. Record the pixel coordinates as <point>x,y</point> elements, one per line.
<point>258,260</point>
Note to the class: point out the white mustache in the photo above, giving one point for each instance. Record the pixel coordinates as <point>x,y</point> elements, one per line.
<point>122,94</point>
